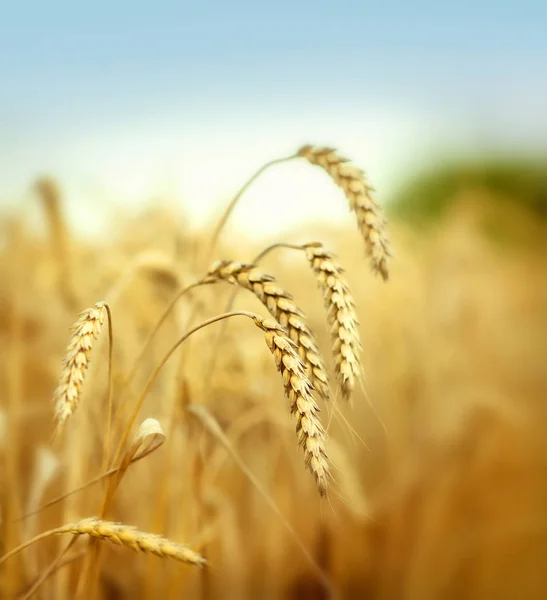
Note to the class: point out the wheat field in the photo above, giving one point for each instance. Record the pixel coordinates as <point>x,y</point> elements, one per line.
<point>331,413</point>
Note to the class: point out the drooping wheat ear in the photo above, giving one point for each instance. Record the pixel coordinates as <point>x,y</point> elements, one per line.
<point>281,306</point>
<point>361,199</point>
<point>84,332</point>
<point>341,316</point>
<point>122,535</point>
<point>298,389</point>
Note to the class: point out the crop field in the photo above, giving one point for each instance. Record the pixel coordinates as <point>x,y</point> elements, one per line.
<point>333,412</point>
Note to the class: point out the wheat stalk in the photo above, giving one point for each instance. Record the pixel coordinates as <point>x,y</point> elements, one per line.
<point>122,535</point>
<point>361,199</point>
<point>341,316</point>
<point>84,332</point>
<point>298,389</point>
<point>50,195</point>
<point>282,308</point>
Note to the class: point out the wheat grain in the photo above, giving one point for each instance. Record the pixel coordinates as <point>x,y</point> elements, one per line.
<point>298,389</point>
<point>84,332</point>
<point>360,196</point>
<point>281,306</point>
<point>341,316</point>
<point>124,535</point>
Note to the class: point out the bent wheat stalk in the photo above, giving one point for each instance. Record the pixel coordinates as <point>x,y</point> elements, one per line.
<point>121,535</point>
<point>229,209</point>
<point>298,389</point>
<point>157,327</point>
<point>359,193</point>
<point>282,308</point>
<point>84,332</point>
<point>361,200</point>
<point>152,447</point>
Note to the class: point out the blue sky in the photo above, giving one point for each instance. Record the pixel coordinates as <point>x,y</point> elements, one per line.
<point>127,99</point>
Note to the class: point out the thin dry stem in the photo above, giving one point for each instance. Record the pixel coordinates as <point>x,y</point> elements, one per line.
<point>210,424</point>
<point>298,388</point>
<point>233,202</point>
<point>52,567</point>
<point>282,308</point>
<point>108,434</point>
<point>361,200</point>
<point>160,366</point>
<point>157,327</point>
<point>102,477</point>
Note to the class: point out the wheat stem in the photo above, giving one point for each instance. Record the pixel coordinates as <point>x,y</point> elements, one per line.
<point>157,326</point>
<point>52,567</point>
<point>106,457</point>
<point>157,370</point>
<point>229,209</point>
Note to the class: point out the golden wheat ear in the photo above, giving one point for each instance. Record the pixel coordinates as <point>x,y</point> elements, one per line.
<point>360,195</point>
<point>139,541</point>
<point>341,316</point>
<point>282,307</point>
<point>298,389</point>
<point>78,355</point>
<point>121,535</point>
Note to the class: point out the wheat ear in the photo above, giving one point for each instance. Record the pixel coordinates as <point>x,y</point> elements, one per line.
<point>139,541</point>
<point>283,309</point>
<point>341,316</point>
<point>122,535</point>
<point>361,199</point>
<point>84,332</point>
<point>298,389</point>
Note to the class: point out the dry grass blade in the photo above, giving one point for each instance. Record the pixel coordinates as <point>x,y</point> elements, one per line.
<point>341,316</point>
<point>51,568</point>
<point>281,306</point>
<point>121,535</point>
<point>84,332</point>
<point>211,425</point>
<point>298,389</point>
<point>147,440</point>
<point>361,199</point>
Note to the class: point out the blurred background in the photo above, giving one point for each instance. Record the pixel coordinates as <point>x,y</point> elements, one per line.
<point>125,130</point>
